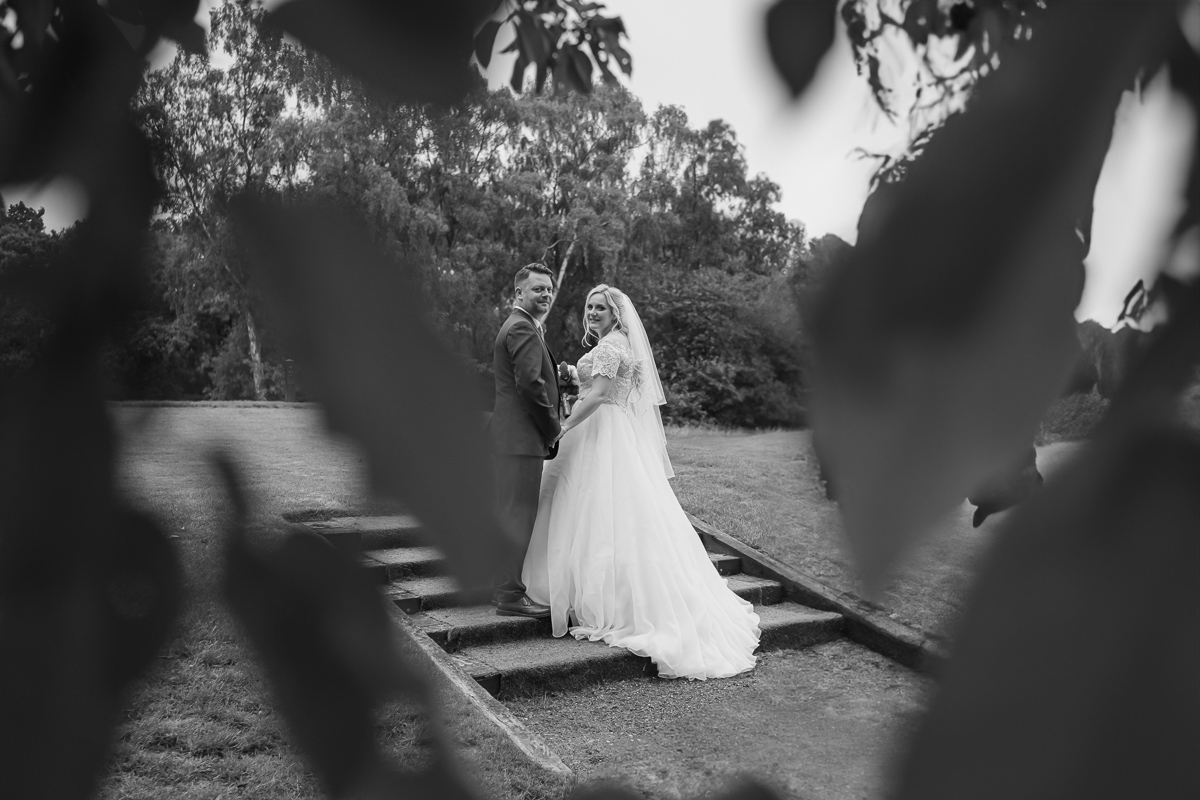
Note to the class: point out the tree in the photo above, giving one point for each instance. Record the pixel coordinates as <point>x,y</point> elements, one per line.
<point>27,252</point>
<point>221,132</point>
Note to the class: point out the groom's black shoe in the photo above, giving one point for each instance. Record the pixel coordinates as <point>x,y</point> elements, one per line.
<point>520,607</point>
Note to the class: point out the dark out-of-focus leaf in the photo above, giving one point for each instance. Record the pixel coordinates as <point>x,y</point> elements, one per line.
<point>415,51</point>
<point>356,326</point>
<point>610,31</point>
<point>126,10</point>
<point>33,16</point>
<point>332,655</point>
<point>517,81</point>
<point>799,32</point>
<point>324,639</point>
<point>485,40</point>
<point>74,122</point>
<point>950,329</point>
<point>88,588</point>
<point>190,37</point>
<point>605,71</point>
<point>66,122</point>
<point>175,19</point>
<point>1074,673</point>
<point>533,38</point>
<point>580,69</point>
<point>1007,488</point>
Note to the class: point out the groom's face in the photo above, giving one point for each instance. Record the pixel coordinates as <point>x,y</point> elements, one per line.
<point>535,293</point>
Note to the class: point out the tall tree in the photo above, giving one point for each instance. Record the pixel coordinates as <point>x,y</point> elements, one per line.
<point>27,251</point>
<point>219,132</point>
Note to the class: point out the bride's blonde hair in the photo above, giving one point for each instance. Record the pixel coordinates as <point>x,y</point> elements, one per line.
<point>615,299</point>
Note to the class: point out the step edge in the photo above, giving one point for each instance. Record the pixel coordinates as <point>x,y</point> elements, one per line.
<point>898,642</point>
<point>604,652</point>
<point>493,711</point>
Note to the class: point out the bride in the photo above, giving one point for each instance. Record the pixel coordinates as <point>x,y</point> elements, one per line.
<point>612,552</point>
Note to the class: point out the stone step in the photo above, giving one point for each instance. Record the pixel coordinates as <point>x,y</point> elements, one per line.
<point>371,533</point>
<point>456,627</point>
<point>529,666</point>
<point>725,564</point>
<point>398,563</point>
<point>423,593</point>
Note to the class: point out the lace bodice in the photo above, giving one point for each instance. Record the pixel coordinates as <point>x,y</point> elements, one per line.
<point>613,358</point>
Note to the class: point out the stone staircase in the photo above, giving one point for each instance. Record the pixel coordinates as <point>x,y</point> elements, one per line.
<point>513,656</point>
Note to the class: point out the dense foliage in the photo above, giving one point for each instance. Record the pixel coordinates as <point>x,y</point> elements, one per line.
<point>592,185</point>
<point>26,253</point>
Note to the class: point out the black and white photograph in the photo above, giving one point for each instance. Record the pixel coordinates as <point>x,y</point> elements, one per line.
<point>570,400</point>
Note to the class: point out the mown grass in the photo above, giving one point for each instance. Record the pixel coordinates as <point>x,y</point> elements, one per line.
<point>763,488</point>
<point>202,724</point>
<point>1072,418</point>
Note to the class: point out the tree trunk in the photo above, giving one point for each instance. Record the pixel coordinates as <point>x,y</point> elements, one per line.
<point>256,364</point>
<point>562,272</point>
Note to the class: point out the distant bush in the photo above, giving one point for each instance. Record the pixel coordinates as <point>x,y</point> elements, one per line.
<point>1072,418</point>
<point>729,350</point>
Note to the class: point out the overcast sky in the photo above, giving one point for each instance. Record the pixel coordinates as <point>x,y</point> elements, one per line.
<point>708,57</point>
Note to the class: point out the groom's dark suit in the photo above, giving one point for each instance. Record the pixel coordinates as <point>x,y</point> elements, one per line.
<point>525,421</point>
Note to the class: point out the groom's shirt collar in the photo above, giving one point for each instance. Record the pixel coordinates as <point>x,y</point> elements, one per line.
<point>536,323</point>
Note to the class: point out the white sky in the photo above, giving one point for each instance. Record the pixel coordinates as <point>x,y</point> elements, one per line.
<point>709,57</point>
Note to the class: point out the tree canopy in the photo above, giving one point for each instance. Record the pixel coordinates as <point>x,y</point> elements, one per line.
<point>591,185</point>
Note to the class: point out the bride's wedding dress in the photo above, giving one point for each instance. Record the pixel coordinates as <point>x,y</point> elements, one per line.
<point>613,553</point>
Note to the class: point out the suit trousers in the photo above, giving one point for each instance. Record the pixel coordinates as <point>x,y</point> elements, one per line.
<point>518,484</point>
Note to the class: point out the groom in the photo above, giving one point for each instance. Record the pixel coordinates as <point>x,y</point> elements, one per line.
<point>524,427</point>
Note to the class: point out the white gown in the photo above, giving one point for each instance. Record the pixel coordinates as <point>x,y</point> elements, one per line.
<point>613,554</point>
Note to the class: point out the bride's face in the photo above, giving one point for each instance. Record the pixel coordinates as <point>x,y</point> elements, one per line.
<point>599,315</point>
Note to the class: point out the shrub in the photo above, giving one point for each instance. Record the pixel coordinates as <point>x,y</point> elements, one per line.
<point>1072,418</point>
<point>728,349</point>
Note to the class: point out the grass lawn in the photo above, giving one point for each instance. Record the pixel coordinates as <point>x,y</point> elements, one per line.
<point>201,723</point>
<point>762,488</point>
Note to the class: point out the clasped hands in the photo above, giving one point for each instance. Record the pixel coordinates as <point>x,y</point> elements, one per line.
<point>564,427</point>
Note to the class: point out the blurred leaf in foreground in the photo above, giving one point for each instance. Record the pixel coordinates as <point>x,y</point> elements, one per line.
<point>951,329</point>
<point>799,33</point>
<point>333,657</point>
<point>1075,674</point>
<point>415,51</point>
<point>88,588</point>
<point>356,325</point>
<point>1007,488</point>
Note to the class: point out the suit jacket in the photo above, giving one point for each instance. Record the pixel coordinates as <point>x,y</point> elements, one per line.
<point>525,418</point>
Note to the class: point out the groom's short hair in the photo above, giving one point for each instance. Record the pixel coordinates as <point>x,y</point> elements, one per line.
<point>525,271</point>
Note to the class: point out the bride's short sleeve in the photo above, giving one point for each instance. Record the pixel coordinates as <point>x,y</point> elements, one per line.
<point>606,359</point>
